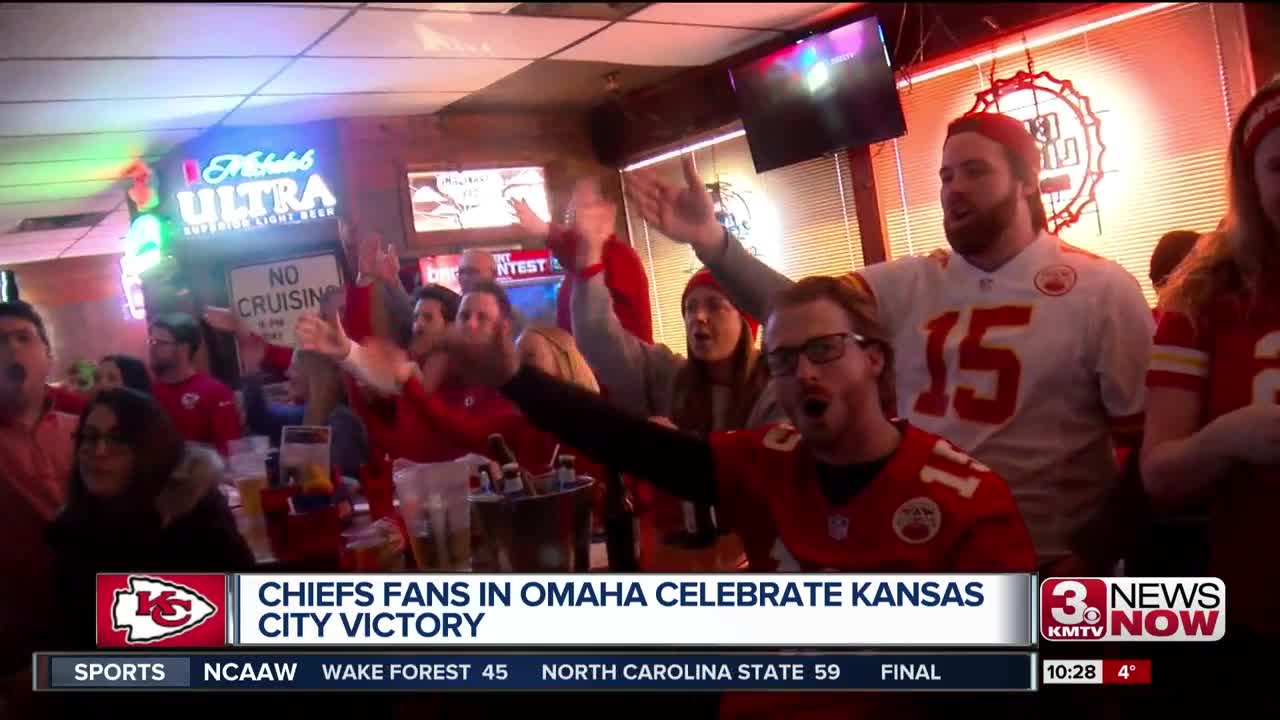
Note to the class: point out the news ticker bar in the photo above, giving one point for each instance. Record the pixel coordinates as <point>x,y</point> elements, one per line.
<point>278,672</point>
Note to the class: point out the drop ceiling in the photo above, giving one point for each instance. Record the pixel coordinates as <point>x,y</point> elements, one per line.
<point>87,88</point>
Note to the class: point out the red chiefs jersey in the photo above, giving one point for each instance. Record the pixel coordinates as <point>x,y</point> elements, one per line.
<point>932,508</point>
<point>1231,359</point>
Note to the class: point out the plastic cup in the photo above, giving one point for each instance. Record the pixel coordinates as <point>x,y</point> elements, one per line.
<point>250,488</point>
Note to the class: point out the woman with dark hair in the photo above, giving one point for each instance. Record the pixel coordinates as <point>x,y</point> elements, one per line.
<point>721,385</point>
<point>116,371</point>
<point>140,499</point>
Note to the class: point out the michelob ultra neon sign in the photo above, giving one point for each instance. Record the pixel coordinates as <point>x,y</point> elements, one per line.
<point>257,189</point>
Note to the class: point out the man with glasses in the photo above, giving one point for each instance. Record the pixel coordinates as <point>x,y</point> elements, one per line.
<point>477,267</point>
<point>203,409</point>
<point>36,448</point>
<point>842,487</point>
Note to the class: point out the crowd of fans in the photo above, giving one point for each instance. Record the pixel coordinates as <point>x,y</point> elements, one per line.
<point>1012,405</point>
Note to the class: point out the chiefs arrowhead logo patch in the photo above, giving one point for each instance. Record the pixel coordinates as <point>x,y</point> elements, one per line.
<point>917,520</point>
<point>152,609</point>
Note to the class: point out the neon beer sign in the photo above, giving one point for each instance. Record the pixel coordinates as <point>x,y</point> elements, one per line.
<point>257,189</point>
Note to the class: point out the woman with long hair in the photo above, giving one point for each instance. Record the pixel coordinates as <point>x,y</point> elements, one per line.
<point>721,385</point>
<point>1213,422</point>
<point>117,371</point>
<point>140,499</point>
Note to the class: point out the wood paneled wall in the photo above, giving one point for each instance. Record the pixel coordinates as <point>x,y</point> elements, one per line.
<point>84,308</point>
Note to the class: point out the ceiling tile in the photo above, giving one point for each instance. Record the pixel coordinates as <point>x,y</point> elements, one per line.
<point>654,44</point>
<point>65,171</point>
<point>14,213</point>
<point>65,236</point>
<point>58,191</point>
<point>84,248</point>
<point>86,116</point>
<point>25,80</point>
<point>114,225</point>
<point>449,6</point>
<point>386,33</point>
<point>774,16</point>
<point>79,30</point>
<point>346,75</point>
<point>18,254</point>
<point>108,238</point>
<point>93,146</point>
<point>284,109</point>
<point>562,84</point>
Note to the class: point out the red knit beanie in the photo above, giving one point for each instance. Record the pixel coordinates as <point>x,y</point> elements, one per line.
<point>703,278</point>
<point>1008,132</point>
<point>1013,135</point>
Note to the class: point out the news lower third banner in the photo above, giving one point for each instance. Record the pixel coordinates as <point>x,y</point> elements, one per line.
<point>566,610</point>
<point>278,672</point>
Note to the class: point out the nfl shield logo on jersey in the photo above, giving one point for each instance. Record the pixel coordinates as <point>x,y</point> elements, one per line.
<point>917,520</point>
<point>838,527</point>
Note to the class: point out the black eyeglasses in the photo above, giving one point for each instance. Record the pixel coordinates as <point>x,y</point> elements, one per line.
<point>818,350</point>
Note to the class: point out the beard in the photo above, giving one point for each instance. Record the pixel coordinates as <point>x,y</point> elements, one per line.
<point>163,366</point>
<point>985,227</point>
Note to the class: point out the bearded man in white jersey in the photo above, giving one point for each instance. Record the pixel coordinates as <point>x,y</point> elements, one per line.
<point>1022,350</point>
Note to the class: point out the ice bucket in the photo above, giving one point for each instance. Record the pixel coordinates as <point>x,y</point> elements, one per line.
<point>550,532</point>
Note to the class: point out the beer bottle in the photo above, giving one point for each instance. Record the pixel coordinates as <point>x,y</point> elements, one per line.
<point>622,536</point>
<point>566,472</point>
<point>501,450</point>
<point>512,480</point>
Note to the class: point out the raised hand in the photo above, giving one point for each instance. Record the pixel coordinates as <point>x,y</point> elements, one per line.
<point>220,318</point>
<point>386,264</point>
<point>594,223</point>
<point>382,364</point>
<point>491,360</point>
<point>316,335</point>
<point>685,213</point>
<point>368,246</point>
<point>528,219</point>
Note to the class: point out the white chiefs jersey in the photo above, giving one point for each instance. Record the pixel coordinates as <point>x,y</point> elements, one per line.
<point>1030,369</point>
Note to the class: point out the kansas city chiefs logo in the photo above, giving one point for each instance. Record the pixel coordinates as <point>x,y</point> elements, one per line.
<point>153,609</point>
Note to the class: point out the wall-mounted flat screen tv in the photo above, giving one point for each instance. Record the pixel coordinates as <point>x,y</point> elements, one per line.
<point>824,94</point>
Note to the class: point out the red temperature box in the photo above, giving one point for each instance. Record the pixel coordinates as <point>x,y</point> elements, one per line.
<point>1126,672</point>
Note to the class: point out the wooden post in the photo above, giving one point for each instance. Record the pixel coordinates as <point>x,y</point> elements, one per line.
<point>1262,26</point>
<point>866,203</point>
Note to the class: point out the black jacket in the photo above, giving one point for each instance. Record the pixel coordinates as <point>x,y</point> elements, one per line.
<point>189,529</point>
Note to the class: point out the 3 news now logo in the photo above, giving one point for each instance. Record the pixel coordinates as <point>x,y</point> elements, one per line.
<point>161,610</point>
<point>1133,609</point>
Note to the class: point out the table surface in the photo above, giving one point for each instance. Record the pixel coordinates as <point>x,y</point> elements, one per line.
<point>655,556</point>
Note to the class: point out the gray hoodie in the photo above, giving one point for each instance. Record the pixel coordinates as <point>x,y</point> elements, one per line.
<point>641,377</point>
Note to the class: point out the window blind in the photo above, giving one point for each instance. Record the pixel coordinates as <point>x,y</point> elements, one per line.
<point>799,219</point>
<point>1166,87</point>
